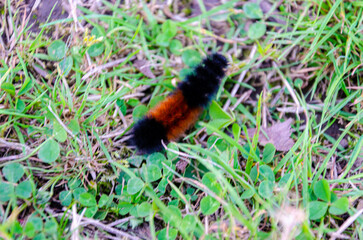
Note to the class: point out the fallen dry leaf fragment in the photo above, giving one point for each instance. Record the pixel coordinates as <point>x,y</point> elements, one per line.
<point>278,134</point>
<point>144,67</point>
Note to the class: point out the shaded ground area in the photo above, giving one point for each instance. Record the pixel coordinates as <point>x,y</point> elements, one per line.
<point>48,10</point>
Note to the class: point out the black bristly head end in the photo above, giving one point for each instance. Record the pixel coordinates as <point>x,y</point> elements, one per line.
<point>219,60</point>
<point>147,135</point>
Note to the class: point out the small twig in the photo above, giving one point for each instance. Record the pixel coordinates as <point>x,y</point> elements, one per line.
<point>86,221</point>
<point>287,85</point>
<point>14,145</point>
<point>10,158</point>
<point>345,225</point>
<point>76,222</point>
<point>105,66</point>
<point>243,97</point>
<point>63,125</point>
<point>120,221</point>
<point>108,228</point>
<point>113,134</point>
<point>240,79</point>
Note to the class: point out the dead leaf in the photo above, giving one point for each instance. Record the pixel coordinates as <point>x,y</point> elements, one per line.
<point>278,134</point>
<point>181,165</point>
<point>144,67</point>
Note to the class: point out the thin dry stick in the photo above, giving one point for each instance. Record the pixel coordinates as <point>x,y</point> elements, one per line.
<point>76,222</point>
<point>243,97</point>
<point>13,145</point>
<point>345,225</point>
<point>105,66</point>
<point>240,79</point>
<point>120,221</point>
<point>81,220</point>
<point>73,10</point>
<point>108,228</point>
<point>63,125</point>
<point>287,85</point>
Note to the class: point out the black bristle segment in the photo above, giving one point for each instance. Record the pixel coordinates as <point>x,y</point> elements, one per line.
<point>147,135</point>
<point>199,87</point>
<point>218,59</point>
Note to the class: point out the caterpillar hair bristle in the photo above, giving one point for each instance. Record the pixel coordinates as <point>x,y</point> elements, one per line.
<point>180,110</point>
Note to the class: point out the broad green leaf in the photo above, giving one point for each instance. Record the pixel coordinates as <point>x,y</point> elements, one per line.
<point>39,236</point>
<point>144,209</point>
<point>284,180</point>
<point>162,185</point>
<point>236,129</point>
<point>65,197</point>
<point>134,212</point>
<point>74,183</point>
<point>168,168</point>
<point>96,49</point>
<point>322,190</point>
<point>298,82</point>
<point>59,133</point>
<point>191,57</point>
<point>209,205</point>
<point>65,66</point>
<point>220,118</point>
<point>13,172</point>
<point>176,47</point>
<point>49,152</point>
<point>169,28</point>
<point>340,206</point>
<point>266,189</point>
<point>37,222</point>
<point>256,30</point>
<point>87,199</point>
<point>210,181</point>
<point>57,50</point>
<point>77,193</point>
<point>174,216</point>
<point>90,211</point>
<point>172,155</point>
<point>124,208</point>
<point>317,209</point>
<point>167,234</point>
<point>139,112</point>
<point>153,173</point>
<point>122,105</point>
<point>6,190</point>
<point>74,126</point>
<point>17,228</point>
<point>103,200</point>
<point>155,101</point>
<point>51,226</point>
<point>20,105</point>
<point>155,159</point>
<point>29,229</point>
<point>216,112</point>
<point>24,190</point>
<point>163,40</point>
<point>266,173</point>
<point>268,153</point>
<point>263,172</point>
<point>101,214</point>
<point>26,86</point>
<point>247,194</point>
<point>134,185</point>
<point>252,10</point>
<point>135,160</point>
<point>133,102</point>
<point>9,88</point>
<point>188,224</point>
